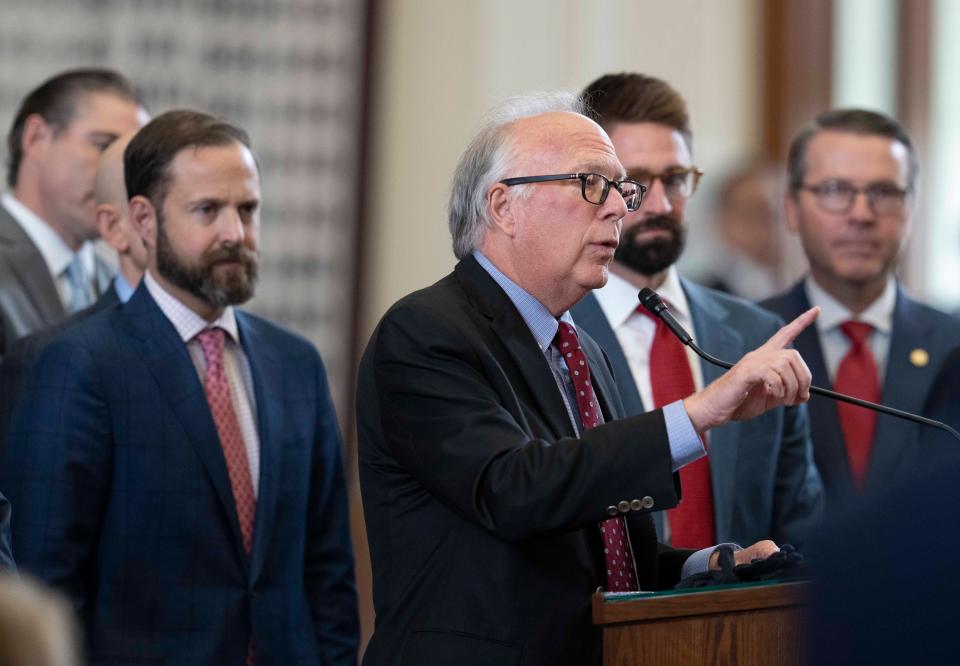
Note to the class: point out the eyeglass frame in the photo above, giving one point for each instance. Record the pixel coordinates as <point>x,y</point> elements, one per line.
<point>694,171</point>
<point>582,177</point>
<point>902,192</point>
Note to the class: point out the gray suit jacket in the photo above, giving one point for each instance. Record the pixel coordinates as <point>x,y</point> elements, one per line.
<point>896,454</point>
<point>765,484</point>
<point>29,300</point>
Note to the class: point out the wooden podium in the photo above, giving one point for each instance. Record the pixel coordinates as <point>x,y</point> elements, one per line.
<point>761,624</point>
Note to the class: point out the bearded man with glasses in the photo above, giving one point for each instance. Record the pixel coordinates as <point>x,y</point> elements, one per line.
<point>759,481</point>
<point>852,179</point>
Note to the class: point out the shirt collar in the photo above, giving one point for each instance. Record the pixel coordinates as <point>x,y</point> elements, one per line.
<point>187,322</point>
<point>55,252</point>
<point>618,298</point>
<point>542,324</point>
<point>123,288</point>
<point>833,313</point>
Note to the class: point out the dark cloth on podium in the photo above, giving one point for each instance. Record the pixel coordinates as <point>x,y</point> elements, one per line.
<point>786,564</point>
<point>481,503</point>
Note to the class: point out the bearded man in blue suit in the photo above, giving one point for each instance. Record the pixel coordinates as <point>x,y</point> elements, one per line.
<point>759,481</point>
<point>175,463</point>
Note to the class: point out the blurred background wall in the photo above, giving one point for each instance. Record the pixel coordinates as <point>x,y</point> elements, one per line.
<point>359,110</point>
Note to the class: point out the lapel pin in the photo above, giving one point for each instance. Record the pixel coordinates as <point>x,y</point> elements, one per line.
<point>919,357</point>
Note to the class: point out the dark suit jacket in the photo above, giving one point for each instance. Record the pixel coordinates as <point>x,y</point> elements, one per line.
<point>896,454</point>
<point>765,485</point>
<point>16,363</point>
<point>122,498</point>
<point>943,404</point>
<point>6,551</point>
<point>881,600</point>
<point>481,505</point>
<point>29,300</point>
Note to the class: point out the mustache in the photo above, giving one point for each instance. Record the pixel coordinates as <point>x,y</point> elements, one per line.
<point>237,253</point>
<point>656,223</point>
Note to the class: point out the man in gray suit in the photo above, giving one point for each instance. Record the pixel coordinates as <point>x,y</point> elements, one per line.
<point>759,481</point>
<point>116,230</point>
<point>48,268</point>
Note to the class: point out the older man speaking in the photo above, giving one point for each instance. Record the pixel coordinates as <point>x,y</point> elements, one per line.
<point>500,485</point>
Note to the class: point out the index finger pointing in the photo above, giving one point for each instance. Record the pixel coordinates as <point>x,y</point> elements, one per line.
<point>786,335</point>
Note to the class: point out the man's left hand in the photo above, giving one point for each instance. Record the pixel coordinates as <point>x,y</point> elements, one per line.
<point>761,550</point>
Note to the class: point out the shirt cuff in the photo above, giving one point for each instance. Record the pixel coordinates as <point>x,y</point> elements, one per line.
<point>700,560</point>
<point>685,444</point>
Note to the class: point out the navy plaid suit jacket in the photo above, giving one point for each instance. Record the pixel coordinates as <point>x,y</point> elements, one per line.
<point>122,499</point>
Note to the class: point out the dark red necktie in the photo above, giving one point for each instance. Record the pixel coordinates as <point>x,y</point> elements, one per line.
<point>691,522</point>
<point>616,540</point>
<point>857,376</point>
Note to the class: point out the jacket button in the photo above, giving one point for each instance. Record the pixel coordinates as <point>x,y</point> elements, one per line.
<point>636,505</point>
<point>624,506</point>
<point>647,502</point>
<point>612,510</point>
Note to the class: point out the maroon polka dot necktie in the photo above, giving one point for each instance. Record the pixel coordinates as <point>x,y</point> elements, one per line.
<point>618,555</point>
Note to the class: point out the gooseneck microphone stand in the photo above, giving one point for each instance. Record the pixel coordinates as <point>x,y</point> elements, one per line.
<point>653,303</point>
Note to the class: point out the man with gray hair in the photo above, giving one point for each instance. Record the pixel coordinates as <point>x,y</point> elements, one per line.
<point>500,489</point>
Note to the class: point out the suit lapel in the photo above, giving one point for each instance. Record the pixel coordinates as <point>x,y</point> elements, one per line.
<point>905,388</point>
<point>829,449</point>
<point>30,270</point>
<point>168,360</point>
<point>512,331</point>
<point>266,371</point>
<point>715,335</point>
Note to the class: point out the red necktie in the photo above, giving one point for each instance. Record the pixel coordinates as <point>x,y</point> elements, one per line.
<point>691,522</point>
<point>616,540</point>
<point>857,375</point>
<point>217,389</point>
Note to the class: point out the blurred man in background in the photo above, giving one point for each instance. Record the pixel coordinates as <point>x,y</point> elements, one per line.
<point>48,267</point>
<point>852,178</point>
<point>755,258</point>
<point>114,227</point>
<point>759,481</point>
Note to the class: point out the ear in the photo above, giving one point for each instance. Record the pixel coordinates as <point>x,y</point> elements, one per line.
<point>791,209</point>
<point>37,134</point>
<point>143,217</point>
<point>501,207</point>
<point>110,228</point>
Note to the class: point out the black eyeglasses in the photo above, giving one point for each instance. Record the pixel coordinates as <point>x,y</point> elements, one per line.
<point>837,196</point>
<point>593,186</point>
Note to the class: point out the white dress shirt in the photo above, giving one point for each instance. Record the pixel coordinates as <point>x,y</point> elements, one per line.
<point>55,252</point>
<point>235,364</point>
<point>635,331</point>
<point>835,343</point>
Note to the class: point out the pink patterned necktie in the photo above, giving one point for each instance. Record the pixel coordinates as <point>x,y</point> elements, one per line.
<point>217,389</point>
<point>616,540</point>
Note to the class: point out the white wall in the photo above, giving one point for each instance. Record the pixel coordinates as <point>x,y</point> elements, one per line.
<point>442,63</point>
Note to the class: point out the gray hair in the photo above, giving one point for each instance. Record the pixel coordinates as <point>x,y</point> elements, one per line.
<point>487,158</point>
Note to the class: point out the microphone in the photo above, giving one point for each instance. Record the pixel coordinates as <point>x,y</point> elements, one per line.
<point>653,303</point>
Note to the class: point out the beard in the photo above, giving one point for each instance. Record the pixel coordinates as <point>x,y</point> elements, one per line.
<point>655,255</point>
<point>230,288</point>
